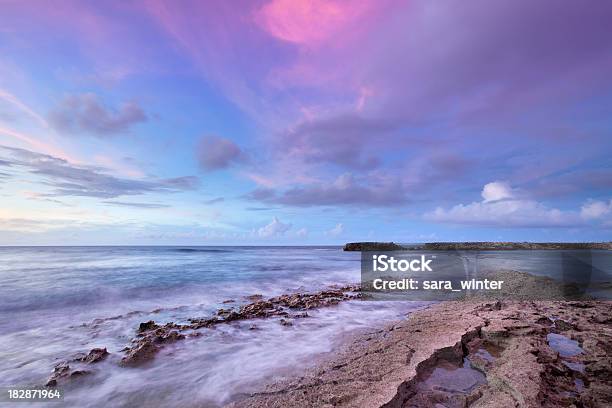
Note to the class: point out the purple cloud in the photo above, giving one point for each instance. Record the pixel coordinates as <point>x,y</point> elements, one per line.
<point>347,140</point>
<point>215,153</point>
<point>345,190</point>
<point>85,113</point>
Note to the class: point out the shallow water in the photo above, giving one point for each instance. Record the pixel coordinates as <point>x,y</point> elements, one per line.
<point>563,345</point>
<point>55,302</point>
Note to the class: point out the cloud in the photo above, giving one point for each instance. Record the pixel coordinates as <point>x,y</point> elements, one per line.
<point>307,22</point>
<point>336,231</point>
<point>345,190</point>
<point>273,229</point>
<point>136,205</point>
<point>260,208</point>
<point>302,232</point>
<point>214,200</point>
<point>500,209</point>
<point>215,153</point>
<point>67,179</point>
<point>347,140</point>
<point>261,194</point>
<point>495,191</point>
<point>85,113</point>
<point>594,209</point>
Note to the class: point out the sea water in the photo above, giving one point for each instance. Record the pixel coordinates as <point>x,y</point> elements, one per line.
<point>58,301</point>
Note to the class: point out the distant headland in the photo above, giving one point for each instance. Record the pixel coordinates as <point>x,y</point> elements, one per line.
<point>484,246</point>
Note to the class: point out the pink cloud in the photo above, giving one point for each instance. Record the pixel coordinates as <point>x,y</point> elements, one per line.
<point>308,22</point>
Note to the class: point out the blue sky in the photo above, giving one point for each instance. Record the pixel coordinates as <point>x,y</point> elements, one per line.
<point>304,122</point>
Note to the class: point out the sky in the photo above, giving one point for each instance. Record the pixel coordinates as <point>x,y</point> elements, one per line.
<point>304,122</point>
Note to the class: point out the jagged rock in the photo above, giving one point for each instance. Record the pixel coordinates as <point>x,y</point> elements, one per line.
<point>151,336</point>
<point>140,354</point>
<point>150,325</point>
<point>94,355</point>
<point>60,371</point>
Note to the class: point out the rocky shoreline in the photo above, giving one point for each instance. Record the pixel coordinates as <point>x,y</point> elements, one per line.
<point>475,352</point>
<point>458,354</point>
<point>473,246</point>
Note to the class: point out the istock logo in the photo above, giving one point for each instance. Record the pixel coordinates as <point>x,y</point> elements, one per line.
<point>384,263</point>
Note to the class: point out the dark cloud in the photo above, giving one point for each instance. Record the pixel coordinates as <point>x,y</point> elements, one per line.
<point>136,205</point>
<point>215,153</point>
<point>67,179</point>
<point>85,113</point>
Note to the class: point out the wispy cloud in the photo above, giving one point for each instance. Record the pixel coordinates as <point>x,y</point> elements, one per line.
<point>136,205</point>
<point>214,201</point>
<point>16,102</point>
<point>67,179</point>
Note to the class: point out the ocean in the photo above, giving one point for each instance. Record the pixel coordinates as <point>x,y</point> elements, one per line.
<point>59,301</point>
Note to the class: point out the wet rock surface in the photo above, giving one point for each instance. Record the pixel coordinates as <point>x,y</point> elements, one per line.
<point>151,337</point>
<point>460,354</point>
<point>63,371</point>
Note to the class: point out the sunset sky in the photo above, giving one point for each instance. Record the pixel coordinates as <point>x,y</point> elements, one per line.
<point>304,121</point>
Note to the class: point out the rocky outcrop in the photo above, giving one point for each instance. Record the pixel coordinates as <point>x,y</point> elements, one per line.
<point>152,337</point>
<point>63,371</point>
<point>372,246</point>
<point>481,246</point>
<point>459,354</point>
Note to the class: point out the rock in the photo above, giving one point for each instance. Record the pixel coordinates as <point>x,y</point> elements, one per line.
<point>61,371</point>
<point>451,246</point>
<point>372,246</point>
<point>94,355</point>
<point>150,325</point>
<point>392,368</point>
<point>139,355</point>
<point>151,336</point>
<point>562,325</point>
<point>254,298</point>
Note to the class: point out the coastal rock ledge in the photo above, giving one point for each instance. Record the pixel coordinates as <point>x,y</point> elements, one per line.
<point>465,354</point>
<point>476,246</point>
